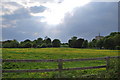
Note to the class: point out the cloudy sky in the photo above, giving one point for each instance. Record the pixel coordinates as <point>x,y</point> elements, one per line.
<point>59,19</point>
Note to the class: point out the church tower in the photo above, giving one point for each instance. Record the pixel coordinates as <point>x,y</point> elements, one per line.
<point>98,37</point>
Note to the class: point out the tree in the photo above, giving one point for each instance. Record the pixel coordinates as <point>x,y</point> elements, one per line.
<point>26,44</point>
<point>72,42</point>
<point>34,44</point>
<point>75,43</point>
<point>90,44</point>
<point>94,41</point>
<point>109,43</point>
<point>10,44</point>
<point>14,44</point>
<point>43,45</point>
<point>117,39</point>
<point>39,41</point>
<point>79,43</point>
<point>27,40</point>
<point>56,43</point>
<point>48,42</point>
<point>6,44</point>
<point>99,43</point>
<point>112,41</point>
<point>85,44</point>
<point>114,33</point>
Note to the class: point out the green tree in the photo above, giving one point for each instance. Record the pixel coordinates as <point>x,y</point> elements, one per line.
<point>27,40</point>
<point>48,42</point>
<point>75,43</point>
<point>79,43</point>
<point>90,44</point>
<point>117,39</point>
<point>10,44</point>
<point>34,44</point>
<point>85,44</point>
<point>109,43</point>
<point>56,43</point>
<point>94,42</point>
<point>99,43</point>
<point>43,45</point>
<point>14,44</point>
<point>112,41</point>
<point>72,42</point>
<point>114,33</point>
<point>39,41</point>
<point>6,44</point>
<point>26,44</point>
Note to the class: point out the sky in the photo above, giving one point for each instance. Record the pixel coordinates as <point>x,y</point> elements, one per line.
<point>57,19</point>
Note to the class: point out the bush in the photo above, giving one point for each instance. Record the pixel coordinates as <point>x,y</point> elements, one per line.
<point>113,71</point>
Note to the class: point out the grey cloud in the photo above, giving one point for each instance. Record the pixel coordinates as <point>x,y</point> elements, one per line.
<point>9,7</point>
<point>86,22</point>
<point>89,20</point>
<point>21,25</point>
<point>21,13</point>
<point>10,20</point>
<point>24,29</point>
<point>12,3</point>
<point>42,1</point>
<point>37,9</point>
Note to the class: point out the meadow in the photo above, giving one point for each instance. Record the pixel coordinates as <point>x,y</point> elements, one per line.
<point>54,53</point>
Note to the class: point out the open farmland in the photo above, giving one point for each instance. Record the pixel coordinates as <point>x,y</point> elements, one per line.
<point>53,53</point>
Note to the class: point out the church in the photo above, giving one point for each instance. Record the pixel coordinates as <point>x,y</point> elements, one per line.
<point>99,37</point>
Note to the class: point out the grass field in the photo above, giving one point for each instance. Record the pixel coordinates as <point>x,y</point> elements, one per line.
<point>53,53</point>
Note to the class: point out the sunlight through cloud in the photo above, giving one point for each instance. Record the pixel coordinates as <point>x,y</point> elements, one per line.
<point>55,12</point>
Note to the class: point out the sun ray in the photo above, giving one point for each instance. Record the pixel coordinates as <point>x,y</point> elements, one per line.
<point>55,12</point>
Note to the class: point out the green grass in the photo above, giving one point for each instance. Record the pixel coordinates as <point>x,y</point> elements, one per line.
<point>53,53</point>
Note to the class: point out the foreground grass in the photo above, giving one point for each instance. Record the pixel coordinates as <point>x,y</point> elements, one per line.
<point>53,53</point>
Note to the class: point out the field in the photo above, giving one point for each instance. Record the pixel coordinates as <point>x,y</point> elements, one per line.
<point>53,53</point>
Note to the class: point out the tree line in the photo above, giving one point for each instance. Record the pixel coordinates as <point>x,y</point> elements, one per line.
<point>39,43</point>
<point>112,41</point>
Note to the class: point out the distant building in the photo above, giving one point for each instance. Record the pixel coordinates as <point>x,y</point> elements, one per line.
<point>99,37</point>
